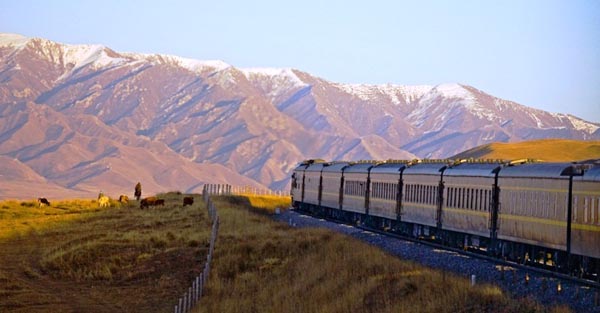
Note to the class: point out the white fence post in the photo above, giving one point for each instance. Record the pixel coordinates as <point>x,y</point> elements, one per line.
<point>194,293</point>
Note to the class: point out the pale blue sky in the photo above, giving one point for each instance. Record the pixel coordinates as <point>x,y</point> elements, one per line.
<point>543,54</point>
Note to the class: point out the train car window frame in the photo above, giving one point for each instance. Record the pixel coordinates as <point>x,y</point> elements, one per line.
<point>575,205</point>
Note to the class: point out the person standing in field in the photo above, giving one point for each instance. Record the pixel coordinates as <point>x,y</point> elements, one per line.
<point>138,191</point>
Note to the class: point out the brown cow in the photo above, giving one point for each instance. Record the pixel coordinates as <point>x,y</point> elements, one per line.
<point>147,202</point>
<point>43,201</point>
<point>188,201</point>
<point>123,199</point>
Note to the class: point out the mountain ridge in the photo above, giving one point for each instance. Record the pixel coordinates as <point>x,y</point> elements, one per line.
<point>256,124</point>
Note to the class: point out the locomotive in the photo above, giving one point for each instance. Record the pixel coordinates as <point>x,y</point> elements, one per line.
<point>543,214</point>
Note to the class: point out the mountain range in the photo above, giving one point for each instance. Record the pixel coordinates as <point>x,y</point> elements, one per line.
<point>77,119</point>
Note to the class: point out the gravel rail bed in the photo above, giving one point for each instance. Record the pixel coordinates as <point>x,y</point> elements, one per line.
<point>512,280</point>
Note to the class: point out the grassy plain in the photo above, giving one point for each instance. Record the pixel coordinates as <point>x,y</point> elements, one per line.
<point>550,150</point>
<point>76,257</point>
<point>265,266</point>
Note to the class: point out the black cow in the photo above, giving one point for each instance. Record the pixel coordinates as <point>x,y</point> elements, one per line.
<point>188,201</point>
<point>43,201</point>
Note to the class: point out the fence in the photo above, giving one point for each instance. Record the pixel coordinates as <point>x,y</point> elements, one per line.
<point>194,293</point>
<point>223,189</point>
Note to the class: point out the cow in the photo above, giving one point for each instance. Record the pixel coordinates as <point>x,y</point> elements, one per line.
<point>123,199</point>
<point>103,201</point>
<point>147,202</point>
<point>188,201</point>
<point>42,202</point>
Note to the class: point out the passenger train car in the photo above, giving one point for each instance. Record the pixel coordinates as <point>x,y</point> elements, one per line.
<point>542,213</point>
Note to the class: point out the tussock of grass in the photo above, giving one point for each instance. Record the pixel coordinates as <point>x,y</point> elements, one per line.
<point>263,266</point>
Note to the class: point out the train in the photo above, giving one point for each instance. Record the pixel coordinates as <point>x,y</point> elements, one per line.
<point>534,213</point>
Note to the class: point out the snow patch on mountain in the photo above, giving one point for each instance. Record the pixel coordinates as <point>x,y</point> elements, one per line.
<point>283,77</point>
<point>394,92</point>
<point>192,65</point>
<point>274,82</point>
<point>82,55</point>
<point>14,40</point>
<point>582,125</point>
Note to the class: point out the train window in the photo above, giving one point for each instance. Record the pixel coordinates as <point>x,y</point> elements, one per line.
<point>386,194</point>
<point>596,204</point>
<point>485,202</point>
<point>455,197</point>
<point>481,202</point>
<point>586,217</point>
<point>453,201</point>
<point>428,194</point>
<point>596,201</point>
<point>469,198</point>
<point>574,217</point>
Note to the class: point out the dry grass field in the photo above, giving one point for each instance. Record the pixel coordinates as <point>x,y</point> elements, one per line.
<point>265,266</point>
<point>76,257</point>
<point>550,150</point>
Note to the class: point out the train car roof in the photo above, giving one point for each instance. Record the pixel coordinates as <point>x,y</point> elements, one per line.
<point>335,167</point>
<point>359,167</point>
<point>315,167</point>
<point>389,167</point>
<point>593,174</point>
<point>301,167</point>
<point>541,170</point>
<point>426,168</point>
<point>473,169</point>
